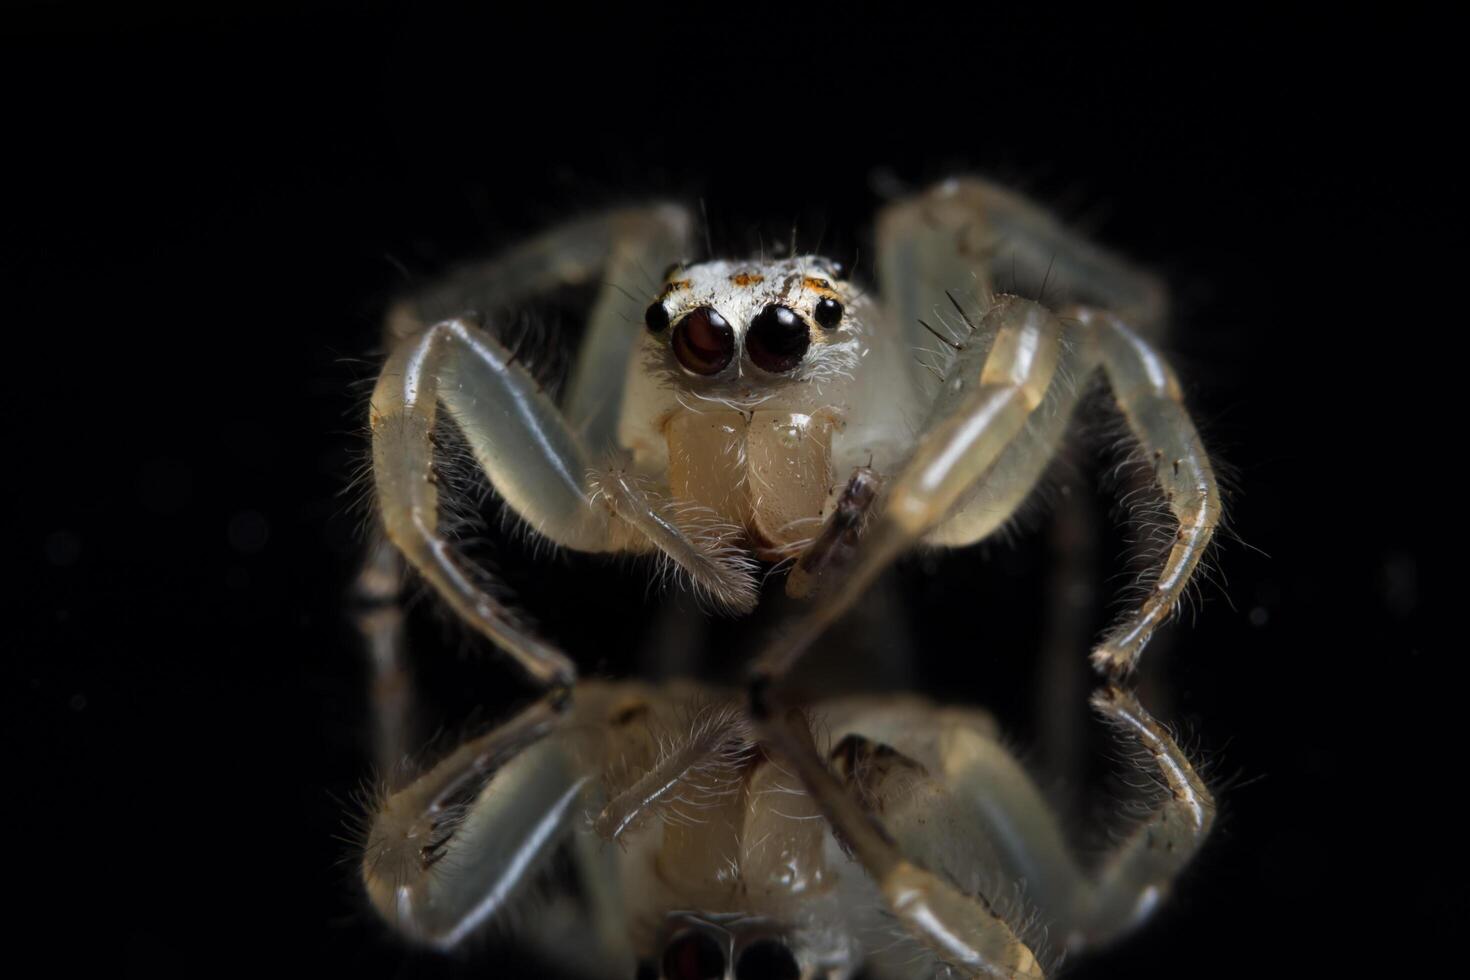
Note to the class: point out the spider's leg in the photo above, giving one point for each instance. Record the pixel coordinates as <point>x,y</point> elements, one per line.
<point>631,278</point>
<point>965,808</point>
<point>1149,395</point>
<point>962,930</point>
<point>518,439</point>
<point>1134,878</point>
<point>693,537</point>
<point>992,392</point>
<point>405,875</point>
<point>378,616</point>
<point>444,853</point>
<point>988,504</point>
<point>624,250</point>
<point>958,803</point>
<point>606,246</point>
<point>836,544</point>
<point>701,765</point>
<point>540,468</point>
<point>975,237</point>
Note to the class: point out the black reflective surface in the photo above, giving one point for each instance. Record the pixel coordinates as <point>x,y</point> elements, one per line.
<point>207,216</point>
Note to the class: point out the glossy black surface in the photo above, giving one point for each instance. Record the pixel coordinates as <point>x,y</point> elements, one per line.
<point>205,219</point>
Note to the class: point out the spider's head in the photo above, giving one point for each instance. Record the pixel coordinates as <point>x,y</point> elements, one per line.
<point>759,323</point>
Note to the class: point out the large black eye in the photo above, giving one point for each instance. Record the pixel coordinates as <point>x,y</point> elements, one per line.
<point>656,318</point>
<point>693,955</point>
<point>828,313</point>
<point>777,340</point>
<point>704,342</point>
<point>767,959</point>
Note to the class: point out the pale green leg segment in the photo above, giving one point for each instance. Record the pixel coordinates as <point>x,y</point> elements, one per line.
<point>990,817</point>
<point>437,867</point>
<point>538,462</point>
<point>1139,872</point>
<point>958,928</point>
<point>1149,394</point>
<point>989,397</point>
<point>969,238</point>
<point>517,438</point>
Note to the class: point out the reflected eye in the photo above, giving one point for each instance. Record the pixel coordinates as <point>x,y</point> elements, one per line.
<point>767,959</point>
<point>704,342</point>
<point>693,956</point>
<point>777,340</point>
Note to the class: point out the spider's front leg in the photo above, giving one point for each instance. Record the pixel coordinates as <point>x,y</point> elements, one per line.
<point>516,436</point>
<point>1001,386</point>
<point>995,390</point>
<point>535,462</point>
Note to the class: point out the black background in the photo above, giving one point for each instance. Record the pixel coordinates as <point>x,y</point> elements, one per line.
<point>206,217</point>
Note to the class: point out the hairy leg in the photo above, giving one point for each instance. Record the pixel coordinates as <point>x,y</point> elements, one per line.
<point>625,250</point>
<point>966,809</point>
<point>1151,399</point>
<point>969,236</point>
<point>518,440</point>
<point>693,537</point>
<point>992,392</point>
<point>992,441</point>
<point>959,929</point>
<point>991,502</point>
<point>441,857</point>
<point>1134,878</point>
<point>541,469</point>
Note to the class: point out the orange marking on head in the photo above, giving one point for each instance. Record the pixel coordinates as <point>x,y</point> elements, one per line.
<point>819,285</point>
<point>747,279</point>
<point>674,287</point>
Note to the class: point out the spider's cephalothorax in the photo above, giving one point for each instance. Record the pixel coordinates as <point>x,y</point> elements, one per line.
<point>745,382</point>
<point>738,412</point>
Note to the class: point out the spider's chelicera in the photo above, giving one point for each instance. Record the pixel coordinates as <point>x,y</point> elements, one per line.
<point>774,411</point>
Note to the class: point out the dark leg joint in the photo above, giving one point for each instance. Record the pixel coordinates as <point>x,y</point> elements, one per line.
<point>835,546</point>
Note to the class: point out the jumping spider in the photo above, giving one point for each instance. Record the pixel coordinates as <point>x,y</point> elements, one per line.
<point>773,411</point>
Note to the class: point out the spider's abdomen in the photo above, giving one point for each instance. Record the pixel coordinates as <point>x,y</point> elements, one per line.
<point>768,472</point>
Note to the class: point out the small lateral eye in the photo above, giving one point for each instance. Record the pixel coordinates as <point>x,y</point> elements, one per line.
<point>692,955</point>
<point>703,341</point>
<point>767,959</point>
<point>777,340</point>
<point>656,318</point>
<point>828,313</point>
